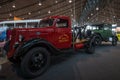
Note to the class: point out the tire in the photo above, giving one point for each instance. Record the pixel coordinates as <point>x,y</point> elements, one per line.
<point>114,41</point>
<point>35,62</point>
<point>98,40</point>
<point>90,48</point>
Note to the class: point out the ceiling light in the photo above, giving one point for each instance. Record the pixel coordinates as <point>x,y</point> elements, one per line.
<point>49,11</point>
<point>29,13</point>
<point>97,8</point>
<point>10,14</point>
<point>13,6</point>
<point>70,1</point>
<point>114,16</point>
<point>72,15</point>
<point>56,1</point>
<point>40,4</point>
<point>91,14</point>
<point>38,11</point>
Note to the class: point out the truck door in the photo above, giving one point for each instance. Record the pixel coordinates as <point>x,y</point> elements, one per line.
<point>107,32</point>
<point>63,35</point>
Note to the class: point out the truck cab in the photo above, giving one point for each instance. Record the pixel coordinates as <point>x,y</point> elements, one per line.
<point>55,30</point>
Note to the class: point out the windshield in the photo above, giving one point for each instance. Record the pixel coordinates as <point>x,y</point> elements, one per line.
<point>46,23</point>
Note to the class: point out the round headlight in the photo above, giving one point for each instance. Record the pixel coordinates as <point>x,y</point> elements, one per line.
<point>92,32</point>
<point>21,38</point>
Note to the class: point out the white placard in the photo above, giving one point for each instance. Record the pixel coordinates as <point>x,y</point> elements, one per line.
<point>110,38</point>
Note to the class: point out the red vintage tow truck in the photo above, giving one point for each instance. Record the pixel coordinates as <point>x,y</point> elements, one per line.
<point>30,48</point>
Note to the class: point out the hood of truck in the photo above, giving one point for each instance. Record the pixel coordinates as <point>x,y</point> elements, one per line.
<point>47,29</point>
<point>34,30</point>
<point>30,33</point>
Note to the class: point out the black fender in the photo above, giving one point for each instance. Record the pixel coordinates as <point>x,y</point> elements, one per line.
<point>114,36</point>
<point>25,47</point>
<point>98,34</point>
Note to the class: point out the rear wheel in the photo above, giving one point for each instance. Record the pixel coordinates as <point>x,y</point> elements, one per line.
<point>35,62</point>
<point>114,41</point>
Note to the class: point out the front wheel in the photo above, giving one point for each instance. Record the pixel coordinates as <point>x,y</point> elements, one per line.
<point>35,62</point>
<point>98,40</point>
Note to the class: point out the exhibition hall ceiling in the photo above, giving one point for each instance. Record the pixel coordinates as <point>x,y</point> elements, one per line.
<point>82,11</point>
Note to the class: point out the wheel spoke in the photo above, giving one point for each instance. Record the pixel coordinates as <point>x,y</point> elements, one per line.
<point>37,62</point>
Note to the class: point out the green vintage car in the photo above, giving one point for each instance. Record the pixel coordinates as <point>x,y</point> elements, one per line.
<point>104,33</point>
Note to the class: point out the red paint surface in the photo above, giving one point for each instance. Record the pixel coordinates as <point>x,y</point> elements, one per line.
<point>79,45</point>
<point>61,38</point>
